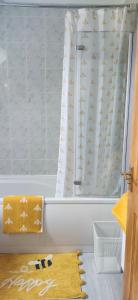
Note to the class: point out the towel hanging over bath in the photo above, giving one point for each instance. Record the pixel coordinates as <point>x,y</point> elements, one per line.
<point>23,214</point>
<point>120,211</point>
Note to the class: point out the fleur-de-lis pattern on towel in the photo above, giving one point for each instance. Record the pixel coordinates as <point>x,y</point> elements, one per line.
<point>37,208</point>
<point>8,207</point>
<point>93,101</point>
<point>23,214</point>
<point>23,200</point>
<point>8,221</point>
<point>23,228</point>
<point>37,222</point>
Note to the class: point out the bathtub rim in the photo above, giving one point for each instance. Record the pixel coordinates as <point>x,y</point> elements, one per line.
<point>40,179</point>
<point>32,178</point>
<point>76,200</point>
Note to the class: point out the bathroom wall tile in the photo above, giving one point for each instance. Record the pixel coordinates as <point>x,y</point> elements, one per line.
<point>54,29</point>
<point>53,119</point>
<point>16,88</point>
<point>30,85</point>
<point>52,149</point>
<point>5,151</point>
<point>15,29</point>
<point>2,12</point>
<point>53,124</point>
<point>41,166</point>
<point>19,127</point>
<point>38,150</point>
<point>4,128</point>
<point>34,12</point>
<point>37,120</point>
<point>33,77</point>
<point>38,166</point>
<point>54,100</point>
<point>5,137</point>
<point>3,91</point>
<point>55,19</point>
<point>35,53</point>
<point>53,132</point>
<point>3,70</point>
<point>16,52</point>
<point>5,166</point>
<point>53,81</point>
<point>37,125</point>
<point>2,29</point>
<point>53,104</point>
<point>57,37</point>
<point>54,13</point>
<point>20,149</point>
<point>4,103</point>
<point>16,60</point>
<point>20,167</point>
<point>19,106</point>
<point>34,48</point>
<point>16,79</point>
<point>36,103</point>
<point>36,142</point>
<point>37,137</point>
<point>17,74</point>
<point>34,29</point>
<point>35,86</point>
<point>10,11</point>
<point>54,55</point>
<point>51,166</point>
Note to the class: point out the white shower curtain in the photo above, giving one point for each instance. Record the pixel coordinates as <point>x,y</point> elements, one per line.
<point>93,101</point>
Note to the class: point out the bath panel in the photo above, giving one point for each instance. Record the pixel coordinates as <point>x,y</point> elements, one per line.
<point>67,222</point>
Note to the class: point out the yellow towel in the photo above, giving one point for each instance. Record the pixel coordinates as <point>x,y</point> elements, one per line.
<point>120,211</point>
<point>22,214</point>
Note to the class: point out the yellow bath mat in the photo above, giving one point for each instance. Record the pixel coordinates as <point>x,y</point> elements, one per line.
<point>120,211</point>
<point>40,276</point>
<point>22,214</point>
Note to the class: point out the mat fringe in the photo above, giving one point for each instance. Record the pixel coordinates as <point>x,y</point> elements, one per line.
<point>81,271</point>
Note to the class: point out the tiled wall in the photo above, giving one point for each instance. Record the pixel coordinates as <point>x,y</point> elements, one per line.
<point>30,89</point>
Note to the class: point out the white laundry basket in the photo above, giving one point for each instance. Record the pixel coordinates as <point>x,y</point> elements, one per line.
<point>107,247</point>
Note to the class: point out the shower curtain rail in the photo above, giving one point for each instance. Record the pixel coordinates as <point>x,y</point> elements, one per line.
<point>131,7</point>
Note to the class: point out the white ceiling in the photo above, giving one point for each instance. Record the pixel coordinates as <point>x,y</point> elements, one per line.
<point>74,2</point>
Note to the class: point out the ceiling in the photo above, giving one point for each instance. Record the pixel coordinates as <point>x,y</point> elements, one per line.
<point>73,2</point>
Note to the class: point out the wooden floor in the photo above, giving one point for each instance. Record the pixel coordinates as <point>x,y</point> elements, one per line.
<point>100,286</point>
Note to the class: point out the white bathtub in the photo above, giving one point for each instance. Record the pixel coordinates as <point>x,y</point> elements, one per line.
<point>68,222</point>
<point>37,184</point>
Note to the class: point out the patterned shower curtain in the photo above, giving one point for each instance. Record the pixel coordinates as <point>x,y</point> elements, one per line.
<point>93,101</point>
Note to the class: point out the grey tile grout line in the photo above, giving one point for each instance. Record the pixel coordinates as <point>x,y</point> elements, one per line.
<point>26,95</point>
<point>9,111</point>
